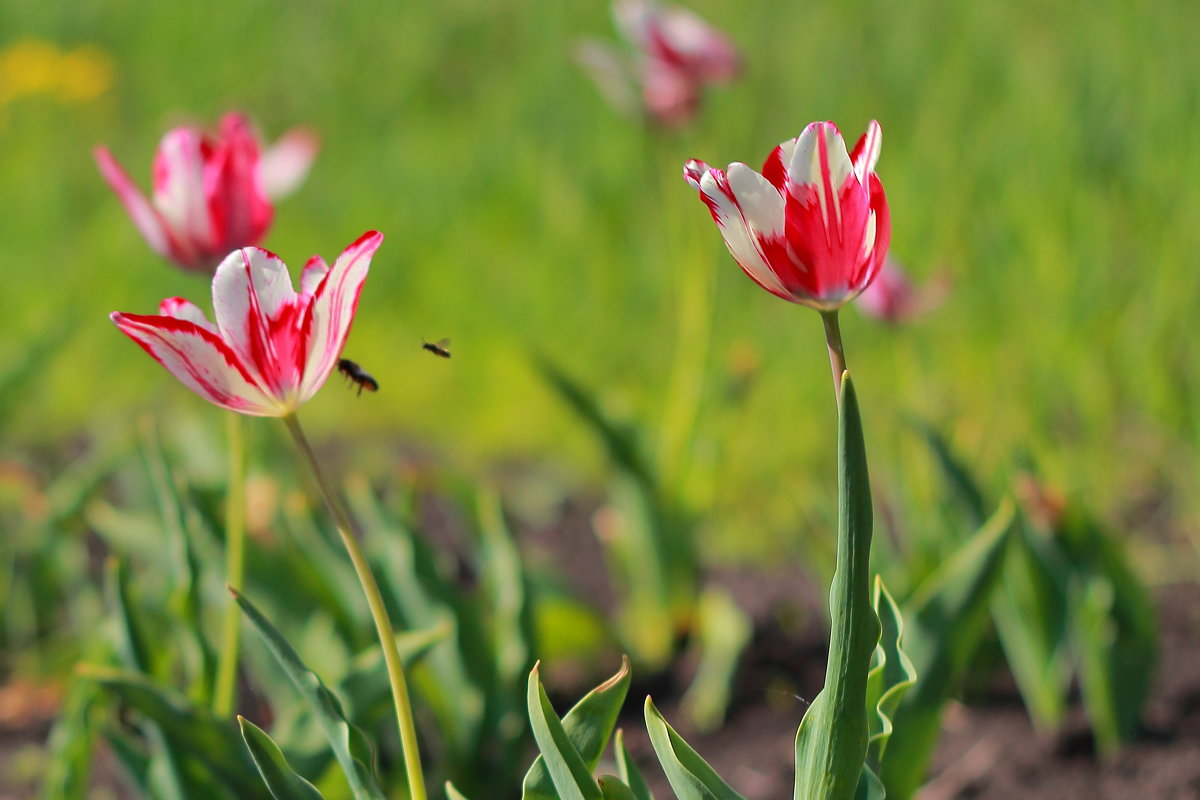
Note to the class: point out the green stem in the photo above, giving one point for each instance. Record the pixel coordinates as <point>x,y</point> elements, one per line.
<point>235,551</point>
<point>837,353</point>
<point>383,625</point>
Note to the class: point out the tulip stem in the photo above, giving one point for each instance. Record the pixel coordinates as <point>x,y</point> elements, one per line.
<point>383,625</point>
<point>837,354</point>
<point>225,691</point>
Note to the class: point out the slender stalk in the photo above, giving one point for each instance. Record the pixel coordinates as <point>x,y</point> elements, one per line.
<point>383,625</point>
<point>235,558</point>
<point>837,354</point>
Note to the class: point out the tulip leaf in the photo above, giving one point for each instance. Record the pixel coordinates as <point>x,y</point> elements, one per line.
<point>570,776</point>
<point>1113,630</point>
<point>722,632</point>
<point>629,771</point>
<point>71,745</point>
<point>350,745</point>
<point>690,775</point>
<point>963,486</point>
<point>588,726</point>
<point>452,793</point>
<point>946,617</point>
<point>188,733</point>
<point>621,444</point>
<point>281,780</point>
<point>1031,616</point>
<point>506,586</point>
<point>831,745</point>
<point>889,679</point>
<point>615,789</point>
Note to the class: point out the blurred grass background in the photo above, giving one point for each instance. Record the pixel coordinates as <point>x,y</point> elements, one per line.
<point>1042,154</point>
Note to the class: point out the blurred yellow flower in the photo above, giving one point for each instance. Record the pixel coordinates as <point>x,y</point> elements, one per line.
<point>32,67</point>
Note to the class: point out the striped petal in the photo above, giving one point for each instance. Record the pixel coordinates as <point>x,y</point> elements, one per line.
<point>239,210</point>
<point>258,314</point>
<point>331,311</point>
<point>179,194</point>
<point>866,151</point>
<point>183,309</point>
<point>200,360</point>
<point>284,165</point>
<point>740,235</point>
<point>314,272</point>
<point>145,218</point>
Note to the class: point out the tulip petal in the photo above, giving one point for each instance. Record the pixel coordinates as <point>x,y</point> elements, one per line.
<point>257,313</point>
<point>238,209</point>
<point>199,359</point>
<point>184,309</point>
<point>717,192</point>
<point>284,165</point>
<point>327,322</point>
<point>179,193</point>
<point>314,272</point>
<point>145,218</point>
<point>693,171</point>
<point>866,151</point>
<point>775,168</point>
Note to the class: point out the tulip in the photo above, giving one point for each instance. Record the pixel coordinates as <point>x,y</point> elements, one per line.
<point>814,227</point>
<point>676,55</point>
<point>894,299</point>
<point>270,348</point>
<point>212,194</point>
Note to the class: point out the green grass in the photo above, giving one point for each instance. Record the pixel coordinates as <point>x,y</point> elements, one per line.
<point>1044,154</point>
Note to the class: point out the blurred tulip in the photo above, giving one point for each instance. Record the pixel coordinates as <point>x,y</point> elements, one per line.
<point>893,298</point>
<point>676,55</point>
<point>814,227</point>
<point>211,194</point>
<point>271,347</point>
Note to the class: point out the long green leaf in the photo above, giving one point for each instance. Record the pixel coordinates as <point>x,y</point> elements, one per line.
<point>689,775</point>
<point>622,447</point>
<point>615,789</point>
<point>946,617</point>
<point>629,771</point>
<point>281,780</point>
<point>190,731</point>
<point>350,746</point>
<point>723,631</point>
<point>570,776</point>
<point>889,680</point>
<point>831,745</point>
<point>1113,630</point>
<point>588,726</point>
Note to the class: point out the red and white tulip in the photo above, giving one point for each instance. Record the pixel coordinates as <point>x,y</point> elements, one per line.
<point>211,194</point>
<point>270,348</point>
<point>813,227</point>
<point>676,54</point>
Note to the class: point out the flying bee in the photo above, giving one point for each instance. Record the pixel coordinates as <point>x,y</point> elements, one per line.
<point>438,348</point>
<point>356,374</point>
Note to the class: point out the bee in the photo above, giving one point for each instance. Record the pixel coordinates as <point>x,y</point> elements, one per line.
<point>438,348</point>
<point>356,374</point>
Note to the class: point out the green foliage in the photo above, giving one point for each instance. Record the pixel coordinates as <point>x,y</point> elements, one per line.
<point>350,746</point>
<point>649,537</point>
<point>1068,604</point>
<point>690,775</point>
<point>281,780</point>
<point>831,745</point>
<point>571,747</point>
<point>947,615</point>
